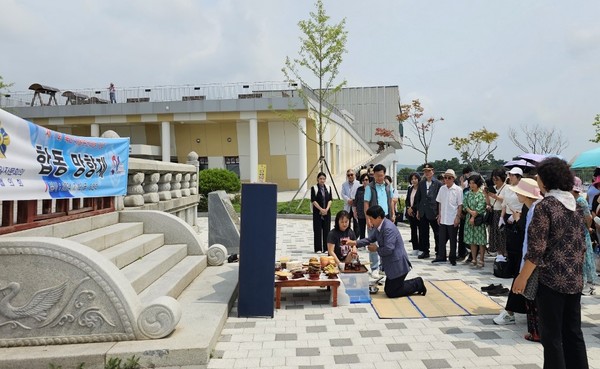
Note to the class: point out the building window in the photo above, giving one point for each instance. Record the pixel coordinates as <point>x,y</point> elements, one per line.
<point>203,162</point>
<point>232,163</point>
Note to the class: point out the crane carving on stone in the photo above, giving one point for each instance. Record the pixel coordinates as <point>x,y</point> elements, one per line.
<point>37,307</point>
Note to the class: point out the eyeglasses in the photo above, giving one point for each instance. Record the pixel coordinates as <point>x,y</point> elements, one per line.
<point>350,175</point>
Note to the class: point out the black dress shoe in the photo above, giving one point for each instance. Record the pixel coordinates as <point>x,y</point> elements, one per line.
<point>422,290</point>
<point>498,292</point>
<point>491,287</point>
<point>453,262</point>
<point>436,260</point>
<point>423,256</point>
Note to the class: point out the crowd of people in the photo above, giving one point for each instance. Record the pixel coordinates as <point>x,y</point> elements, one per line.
<point>538,225</point>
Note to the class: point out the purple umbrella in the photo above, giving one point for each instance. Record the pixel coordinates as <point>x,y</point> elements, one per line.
<point>519,163</point>
<point>536,158</point>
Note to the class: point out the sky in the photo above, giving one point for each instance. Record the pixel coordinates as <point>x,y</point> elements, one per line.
<point>493,64</point>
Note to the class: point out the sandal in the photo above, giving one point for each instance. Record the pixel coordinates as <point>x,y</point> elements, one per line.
<point>531,337</point>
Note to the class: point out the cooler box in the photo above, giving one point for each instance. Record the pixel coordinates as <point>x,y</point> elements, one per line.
<point>356,284</point>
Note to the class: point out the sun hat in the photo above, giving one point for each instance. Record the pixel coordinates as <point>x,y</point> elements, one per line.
<point>577,184</point>
<point>516,171</point>
<point>450,172</point>
<point>527,187</point>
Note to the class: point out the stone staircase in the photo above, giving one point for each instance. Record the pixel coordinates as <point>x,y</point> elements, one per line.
<point>158,259</point>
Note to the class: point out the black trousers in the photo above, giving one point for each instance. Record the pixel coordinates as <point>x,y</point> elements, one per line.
<point>321,227</point>
<point>398,287</point>
<point>424,225</point>
<point>362,227</point>
<point>447,233</point>
<point>560,329</point>
<point>514,302</point>
<point>414,232</point>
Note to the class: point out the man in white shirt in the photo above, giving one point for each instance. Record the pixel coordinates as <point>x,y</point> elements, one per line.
<point>449,199</point>
<point>348,191</point>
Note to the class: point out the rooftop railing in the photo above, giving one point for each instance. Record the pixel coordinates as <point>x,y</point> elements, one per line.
<point>213,91</point>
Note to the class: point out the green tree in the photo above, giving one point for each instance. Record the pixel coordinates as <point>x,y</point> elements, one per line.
<point>422,128</point>
<point>596,125</point>
<point>322,46</point>
<point>476,148</point>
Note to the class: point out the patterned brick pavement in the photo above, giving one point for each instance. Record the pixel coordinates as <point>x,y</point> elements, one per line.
<point>308,333</point>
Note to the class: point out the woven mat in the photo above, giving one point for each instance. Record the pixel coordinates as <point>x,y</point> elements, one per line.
<point>444,298</point>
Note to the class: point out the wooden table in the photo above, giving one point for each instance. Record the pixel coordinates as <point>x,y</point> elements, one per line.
<point>304,282</point>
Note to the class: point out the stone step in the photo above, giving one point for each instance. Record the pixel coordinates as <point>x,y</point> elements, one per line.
<point>105,237</point>
<point>148,269</point>
<point>176,279</point>
<point>205,305</point>
<point>129,251</point>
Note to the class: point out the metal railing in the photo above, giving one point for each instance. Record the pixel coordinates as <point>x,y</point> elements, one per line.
<point>212,91</point>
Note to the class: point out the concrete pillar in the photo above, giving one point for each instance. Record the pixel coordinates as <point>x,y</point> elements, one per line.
<point>95,130</point>
<point>302,152</point>
<point>165,141</point>
<point>253,150</point>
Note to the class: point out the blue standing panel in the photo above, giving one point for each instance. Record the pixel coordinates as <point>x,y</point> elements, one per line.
<point>257,250</point>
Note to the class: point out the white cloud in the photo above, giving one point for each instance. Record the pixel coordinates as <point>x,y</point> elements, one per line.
<point>497,64</point>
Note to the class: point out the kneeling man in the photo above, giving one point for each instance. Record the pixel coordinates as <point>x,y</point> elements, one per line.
<point>394,260</point>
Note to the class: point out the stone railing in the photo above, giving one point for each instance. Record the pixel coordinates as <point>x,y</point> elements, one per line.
<point>169,187</point>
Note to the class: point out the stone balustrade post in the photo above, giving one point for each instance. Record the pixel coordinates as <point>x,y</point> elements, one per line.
<point>151,188</point>
<point>176,186</point>
<point>194,184</point>
<point>164,186</point>
<point>135,190</point>
<point>185,185</point>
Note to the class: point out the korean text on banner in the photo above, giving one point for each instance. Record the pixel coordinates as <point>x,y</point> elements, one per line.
<point>38,163</point>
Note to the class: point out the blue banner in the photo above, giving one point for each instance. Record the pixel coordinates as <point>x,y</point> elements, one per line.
<point>38,163</point>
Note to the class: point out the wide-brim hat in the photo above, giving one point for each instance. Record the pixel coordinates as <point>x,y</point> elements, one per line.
<point>450,172</point>
<point>527,187</point>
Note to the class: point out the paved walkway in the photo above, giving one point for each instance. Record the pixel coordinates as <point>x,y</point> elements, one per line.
<point>308,333</point>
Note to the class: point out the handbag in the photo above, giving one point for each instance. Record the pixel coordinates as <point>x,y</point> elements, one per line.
<point>502,269</point>
<point>531,287</point>
<point>479,220</point>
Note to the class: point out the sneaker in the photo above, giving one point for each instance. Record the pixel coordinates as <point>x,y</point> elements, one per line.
<point>504,318</point>
<point>375,274</point>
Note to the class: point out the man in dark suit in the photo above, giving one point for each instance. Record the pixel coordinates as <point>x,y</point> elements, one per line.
<point>394,259</point>
<point>427,209</point>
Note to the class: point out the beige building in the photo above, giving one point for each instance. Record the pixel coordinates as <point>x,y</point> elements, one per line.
<point>238,127</point>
